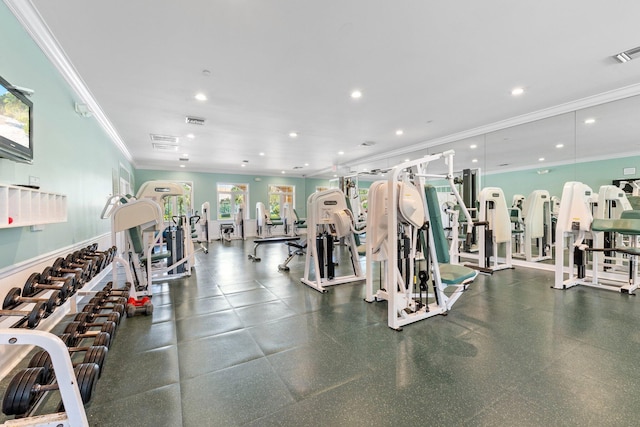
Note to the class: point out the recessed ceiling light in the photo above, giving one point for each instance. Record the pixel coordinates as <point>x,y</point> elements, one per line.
<point>356,94</point>
<point>517,91</point>
<point>185,154</point>
<point>474,161</point>
<point>399,132</point>
<point>306,164</point>
<point>335,176</point>
<point>182,166</point>
<point>283,172</point>
<point>541,159</point>
<point>201,97</point>
<point>364,169</point>
<point>293,134</point>
<point>406,160</point>
<point>472,146</point>
<point>559,145</point>
<point>190,136</point>
<point>340,153</point>
<point>589,121</point>
<point>243,165</point>
<point>262,154</point>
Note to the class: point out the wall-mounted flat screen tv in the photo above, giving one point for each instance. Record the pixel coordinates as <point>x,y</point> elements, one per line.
<point>16,124</point>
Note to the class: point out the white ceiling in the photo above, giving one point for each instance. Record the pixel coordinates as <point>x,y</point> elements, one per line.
<point>432,69</point>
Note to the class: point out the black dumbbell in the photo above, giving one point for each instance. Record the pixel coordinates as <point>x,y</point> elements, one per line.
<point>109,286</point>
<point>107,303</point>
<point>81,330</point>
<point>99,260</point>
<point>28,385</point>
<point>102,338</point>
<point>60,268</point>
<point>113,294</point>
<point>109,253</point>
<point>94,354</point>
<point>48,276</point>
<point>95,310</point>
<point>91,316</point>
<point>35,284</point>
<point>13,299</point>
<point>33,316</point>
<point>91,268</point>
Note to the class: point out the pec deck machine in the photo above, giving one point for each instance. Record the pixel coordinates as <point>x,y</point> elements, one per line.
<point>406,243</point>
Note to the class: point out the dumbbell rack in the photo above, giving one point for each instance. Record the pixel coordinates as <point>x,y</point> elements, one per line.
<point>74,414</point>
<point>10,357</point>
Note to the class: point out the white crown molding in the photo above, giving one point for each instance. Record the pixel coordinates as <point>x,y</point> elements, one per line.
<point>590,101</point>
<point>32,21</point>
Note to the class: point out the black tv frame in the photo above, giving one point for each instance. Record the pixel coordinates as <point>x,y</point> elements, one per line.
<point>10,149</point>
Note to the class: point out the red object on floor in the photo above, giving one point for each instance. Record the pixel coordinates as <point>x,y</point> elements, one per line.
<point>139,302</point>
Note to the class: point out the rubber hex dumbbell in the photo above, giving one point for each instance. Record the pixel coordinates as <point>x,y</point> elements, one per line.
<point>32,316</point>
<point>48,277</point>
<point>90,317</point>
<point>72,261</point>
<point>82,330</point>
<point>28,385</point>
<point>14,299</point>
<point>94,354</point>
<point>60,269</point>
<point>35,284</point>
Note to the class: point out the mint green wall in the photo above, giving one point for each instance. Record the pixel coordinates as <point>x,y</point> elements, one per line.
<point>73,156</point>
<point>204,186</point>
<point>594,174</point>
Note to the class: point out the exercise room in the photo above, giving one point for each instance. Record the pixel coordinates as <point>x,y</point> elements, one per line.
<point>357,213</point>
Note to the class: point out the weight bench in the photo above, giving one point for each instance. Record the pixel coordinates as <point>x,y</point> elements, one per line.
<point>267,240</point>
<point>295,248</point>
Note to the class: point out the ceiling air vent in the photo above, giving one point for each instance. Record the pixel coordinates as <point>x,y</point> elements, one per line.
<point>627,55</point>
<point>164,147</point>
<point>184,159</point>
<point>164,138</point>
<point>368,144</point>
<point>195,120</point>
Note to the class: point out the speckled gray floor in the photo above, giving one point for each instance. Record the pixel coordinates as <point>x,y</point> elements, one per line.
<point>240,343</point>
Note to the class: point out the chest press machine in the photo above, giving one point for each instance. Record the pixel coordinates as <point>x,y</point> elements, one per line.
<point>406,238</point>
<point>576,227</point>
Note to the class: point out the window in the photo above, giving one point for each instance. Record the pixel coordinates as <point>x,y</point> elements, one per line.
<point>231,197</point>
<point>278,196</point>
<point>363,195</point>
<point>179,205</point>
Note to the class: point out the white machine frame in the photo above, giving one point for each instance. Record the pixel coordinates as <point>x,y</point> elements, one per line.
<point>573,227</point>
<point>74,415</point>
<point>326,210</point>
<point>498,221</point>
<point>401,305</point>
<point>537,224</point>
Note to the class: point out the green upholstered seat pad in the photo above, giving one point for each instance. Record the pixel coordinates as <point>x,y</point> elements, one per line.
<point>633,214</point>
<point>452,274</point>
<point>622,226</point>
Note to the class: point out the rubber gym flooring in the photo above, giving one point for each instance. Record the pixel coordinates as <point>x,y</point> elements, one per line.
<point>240,343</point>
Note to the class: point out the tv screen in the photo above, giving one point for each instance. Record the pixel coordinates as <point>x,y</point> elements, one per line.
<point>16,120</point>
